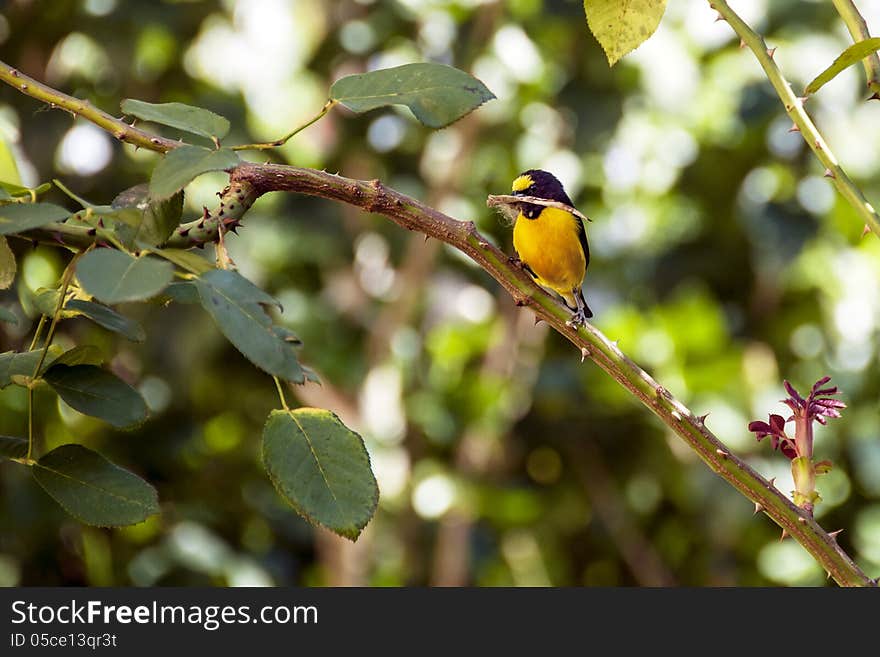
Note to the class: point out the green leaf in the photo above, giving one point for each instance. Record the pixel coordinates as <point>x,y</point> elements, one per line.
<point>855,53</point>
<point>179,167</point>
<point>8,167</point>
<point>46,300</point>
<point>621,26</point>
<point>196,120</point>
<point>113,276</point>
<point>321,468</point>
<point>236,305</point>
<point>183,292</point>
<point>22,363</point>
<point>109,319</point>
<point>7,264</point>
<point>188,260</point>
<point>98,393</point>
<point>19,217</point>
<point>437,94</point>
<point>13,448</point>
<point>13,189</point>
<point>85,354</point>
<point>158,218</point>
<point>8,316</point>
<point>94,490</point>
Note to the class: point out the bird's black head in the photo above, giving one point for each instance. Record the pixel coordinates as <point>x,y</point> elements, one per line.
<point>541,184</point>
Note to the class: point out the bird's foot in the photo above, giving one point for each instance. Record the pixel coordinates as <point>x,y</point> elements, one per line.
<point>578,318</point>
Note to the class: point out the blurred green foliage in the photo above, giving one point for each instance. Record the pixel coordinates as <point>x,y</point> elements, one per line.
<point>722,261</point>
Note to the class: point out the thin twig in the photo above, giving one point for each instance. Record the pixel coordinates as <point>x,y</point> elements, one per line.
<point>795,108</point>
<point>510,200</point>
<point>78,107</point>
<point>283,140</point>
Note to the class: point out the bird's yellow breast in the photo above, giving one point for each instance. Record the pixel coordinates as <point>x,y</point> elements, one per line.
<point>549,245</point>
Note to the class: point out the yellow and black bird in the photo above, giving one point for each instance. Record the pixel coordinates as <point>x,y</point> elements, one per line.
<point>551,242</point>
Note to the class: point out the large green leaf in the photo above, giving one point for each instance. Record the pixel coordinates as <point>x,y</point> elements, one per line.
<point>188,260</point>
<point>236,305</point>
<point>109,319</point>
<point>437,94</point>
<point>855,53</point>
<point>180,166</point>
<point>23,363</point>
<point>321,468</point>
<point>13,448</point>
<point>19,217</point>
<point>96,392</point>
<point>113,276</point>
<point>158,218</point>
<point>94,490</point>
<point>84,354</point>
<point>621,26</point>
<point>7,264</point>
<point>196,120</point>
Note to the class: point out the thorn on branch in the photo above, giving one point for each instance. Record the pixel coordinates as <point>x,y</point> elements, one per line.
<point>866,230</point>
<point>758,508</point>
<point>771,52</point>
<point>539,319</point>
<point>772,482</point>
<point>742,43</point>
<point>784,535</point>
<point>802,520</point>
<point>585,353</point>
<point>874,96</point>
<point>719,17</point>
<point>835,534</point>
<point>722,453</point>
<point>794,128</point>
<point>702,418</point>
<point>829,174</point>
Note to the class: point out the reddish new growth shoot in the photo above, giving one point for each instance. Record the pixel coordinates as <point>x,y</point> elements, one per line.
<point>817,407</point>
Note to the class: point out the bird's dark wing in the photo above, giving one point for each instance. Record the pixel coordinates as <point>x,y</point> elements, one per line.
<point>582,236</point>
